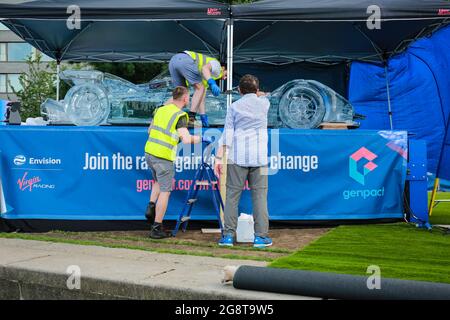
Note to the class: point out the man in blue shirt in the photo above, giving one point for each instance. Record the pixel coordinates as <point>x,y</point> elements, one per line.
<point>245,137</point>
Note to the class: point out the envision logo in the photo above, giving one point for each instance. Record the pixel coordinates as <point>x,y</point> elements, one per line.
<point>19,160</point>
<point>368,167</point>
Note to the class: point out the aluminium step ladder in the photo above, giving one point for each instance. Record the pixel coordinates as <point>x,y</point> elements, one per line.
<point>204,177</point>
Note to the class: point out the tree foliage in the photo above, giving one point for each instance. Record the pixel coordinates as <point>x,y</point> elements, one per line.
<point>135,72</point>
<point>36,86</point>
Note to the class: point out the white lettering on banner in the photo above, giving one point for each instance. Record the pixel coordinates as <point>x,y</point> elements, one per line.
<point>118,161</point>
<point>97,162</point>
<point>44,161</point>
<point>187,163</point>
<point>304,163</point>
<point>363,193</point>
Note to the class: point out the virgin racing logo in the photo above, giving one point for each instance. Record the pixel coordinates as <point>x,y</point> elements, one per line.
<point>26,183</point>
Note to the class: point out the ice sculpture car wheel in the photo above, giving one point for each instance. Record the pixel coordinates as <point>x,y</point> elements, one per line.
<point>301,107</point>
<point>87,104</point>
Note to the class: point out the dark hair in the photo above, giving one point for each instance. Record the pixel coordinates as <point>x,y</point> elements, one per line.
<point>178,92</point>
<point>248,84</point>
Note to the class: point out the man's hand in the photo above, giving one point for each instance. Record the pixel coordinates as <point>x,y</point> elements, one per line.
<point>214,87</point>
<point>260,93</point>
<point>218,166</point>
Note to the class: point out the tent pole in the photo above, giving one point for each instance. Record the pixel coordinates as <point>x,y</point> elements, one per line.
<point>223,176</point>
<point>57,79</point>
<point>229,61</point>
<point>388,94</point>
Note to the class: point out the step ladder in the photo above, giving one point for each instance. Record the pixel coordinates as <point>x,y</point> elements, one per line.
<point>204,177</point>
<point>433,201</point>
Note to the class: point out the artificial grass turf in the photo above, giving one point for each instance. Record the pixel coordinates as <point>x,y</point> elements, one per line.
<point>400,250</point>
<point>441,213</point>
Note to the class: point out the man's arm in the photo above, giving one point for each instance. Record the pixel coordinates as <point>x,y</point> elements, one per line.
<point>206,71</point>
<point>207,75</point>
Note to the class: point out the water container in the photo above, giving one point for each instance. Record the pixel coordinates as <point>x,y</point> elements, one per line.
<point>245,231</point>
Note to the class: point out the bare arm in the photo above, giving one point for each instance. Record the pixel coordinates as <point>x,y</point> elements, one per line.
<point>186,137</point>
<point>206,71</point>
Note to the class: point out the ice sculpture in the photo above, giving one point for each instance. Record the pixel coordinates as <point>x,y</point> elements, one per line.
<point>97,98</point>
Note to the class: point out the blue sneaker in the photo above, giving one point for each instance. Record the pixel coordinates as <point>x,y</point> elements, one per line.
<point>226,240</point>
<point>262,242</point>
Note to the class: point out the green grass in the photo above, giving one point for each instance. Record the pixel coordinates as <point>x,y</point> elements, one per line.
<point>441,213</point>
<point>43,237</point>
<point>400,250</point>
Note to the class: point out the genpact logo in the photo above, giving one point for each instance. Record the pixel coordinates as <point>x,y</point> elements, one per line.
<point>368,167</point>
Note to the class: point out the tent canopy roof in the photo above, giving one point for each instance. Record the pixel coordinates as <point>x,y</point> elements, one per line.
<point>115,9</point>
<point>284,31</point>
<point>268,31</point>
<point>119,30</point>
<point>350,10</point>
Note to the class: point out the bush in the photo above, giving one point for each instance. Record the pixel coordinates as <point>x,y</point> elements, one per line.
<point>37,85</point>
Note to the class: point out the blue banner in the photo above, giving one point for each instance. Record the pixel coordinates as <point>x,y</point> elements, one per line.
<point>99,173</point>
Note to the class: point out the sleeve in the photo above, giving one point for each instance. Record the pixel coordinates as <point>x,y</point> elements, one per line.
<point>265,102</point>
<point>182,123</point>
<point>228,130</point>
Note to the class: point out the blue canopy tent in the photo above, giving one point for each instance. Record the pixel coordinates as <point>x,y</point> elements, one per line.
<point>273,33</point>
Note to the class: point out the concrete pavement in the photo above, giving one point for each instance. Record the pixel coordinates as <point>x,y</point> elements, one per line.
<point>39,270</point>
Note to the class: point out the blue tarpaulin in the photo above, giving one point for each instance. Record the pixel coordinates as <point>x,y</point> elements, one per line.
<point>419,86</point>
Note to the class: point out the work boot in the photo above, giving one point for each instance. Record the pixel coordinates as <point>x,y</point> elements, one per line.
<point>157,232</point>
<point>204,119</point>
<point>150,212</point>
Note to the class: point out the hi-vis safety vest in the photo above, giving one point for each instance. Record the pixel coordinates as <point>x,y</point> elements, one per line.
<point>201,60</point>
<point>163,138</point>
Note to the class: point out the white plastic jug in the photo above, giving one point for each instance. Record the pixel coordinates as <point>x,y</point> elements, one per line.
<point>245,231</point>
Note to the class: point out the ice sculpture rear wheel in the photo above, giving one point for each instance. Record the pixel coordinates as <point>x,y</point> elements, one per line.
<point>301,107</point>
<point>87,104</point>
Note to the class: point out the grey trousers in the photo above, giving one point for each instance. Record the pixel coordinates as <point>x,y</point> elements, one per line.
<point>258,183</point>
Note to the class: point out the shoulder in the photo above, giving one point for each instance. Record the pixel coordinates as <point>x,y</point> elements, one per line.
<point>263,100</point>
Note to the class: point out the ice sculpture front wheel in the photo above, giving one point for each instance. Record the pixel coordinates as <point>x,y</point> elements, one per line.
<point>87,105</point>
<point>301,107</point>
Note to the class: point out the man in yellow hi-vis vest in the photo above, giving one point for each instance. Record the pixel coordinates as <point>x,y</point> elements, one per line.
<point>201,72</point>
<point>168,126</point>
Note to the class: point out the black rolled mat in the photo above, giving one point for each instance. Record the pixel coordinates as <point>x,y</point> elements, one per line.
<point>335,286</point>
